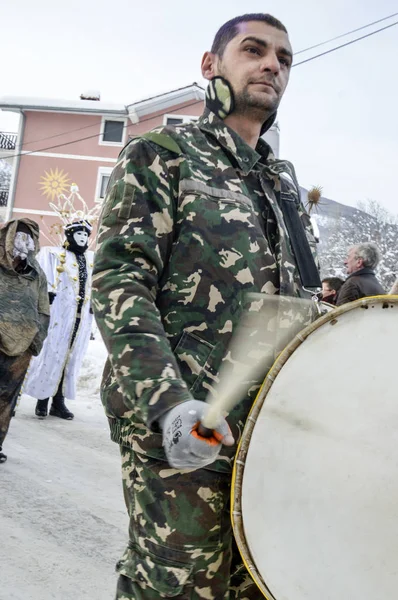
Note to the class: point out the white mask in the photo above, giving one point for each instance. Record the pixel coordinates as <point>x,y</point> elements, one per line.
<point>81,238</point>
<point>23,244</point>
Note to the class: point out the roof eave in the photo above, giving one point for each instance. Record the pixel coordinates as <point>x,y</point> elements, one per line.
<point>163,102</point>
<point>78,110</point>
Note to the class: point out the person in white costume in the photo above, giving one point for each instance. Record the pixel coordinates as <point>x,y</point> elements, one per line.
<point>53,374</point>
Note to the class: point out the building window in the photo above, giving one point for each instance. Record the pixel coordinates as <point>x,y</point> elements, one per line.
<point>178,119</point>
<point>104,175</point>
<point>173,121</point>
<point>104,185</point>
<point>112,132</point>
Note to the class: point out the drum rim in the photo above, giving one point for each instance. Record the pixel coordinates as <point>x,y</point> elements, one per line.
<point>243,446</point>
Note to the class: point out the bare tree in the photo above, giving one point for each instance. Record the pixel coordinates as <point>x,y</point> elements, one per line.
<point>378,211</point>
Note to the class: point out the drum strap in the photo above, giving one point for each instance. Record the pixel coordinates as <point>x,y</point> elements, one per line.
<point>306,265</point>
<point>289,204</point>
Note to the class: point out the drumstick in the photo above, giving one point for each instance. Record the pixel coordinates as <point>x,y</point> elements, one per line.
<point>264,330</point>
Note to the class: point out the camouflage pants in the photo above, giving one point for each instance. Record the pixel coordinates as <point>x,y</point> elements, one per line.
<point>12,373</point>
<point>181,543</point>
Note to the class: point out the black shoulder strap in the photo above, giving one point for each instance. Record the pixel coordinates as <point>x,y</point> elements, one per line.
<point>306,265</point>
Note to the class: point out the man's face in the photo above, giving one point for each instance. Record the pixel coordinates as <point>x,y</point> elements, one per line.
<point>352,262</point>
<point>81,238</point>
<point>257,63</point>
<point>327,292</point>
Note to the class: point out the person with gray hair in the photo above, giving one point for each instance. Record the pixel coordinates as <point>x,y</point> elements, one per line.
<point>360,264</point>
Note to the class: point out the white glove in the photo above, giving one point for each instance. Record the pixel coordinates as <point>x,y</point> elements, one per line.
<point>184,447</point>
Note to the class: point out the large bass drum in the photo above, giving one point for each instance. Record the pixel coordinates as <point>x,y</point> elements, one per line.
<point>315,490</point>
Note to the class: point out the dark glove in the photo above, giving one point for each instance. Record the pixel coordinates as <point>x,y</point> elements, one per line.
<point>51,297</point>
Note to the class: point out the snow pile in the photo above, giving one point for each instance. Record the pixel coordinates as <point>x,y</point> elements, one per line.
<point>88,385</point>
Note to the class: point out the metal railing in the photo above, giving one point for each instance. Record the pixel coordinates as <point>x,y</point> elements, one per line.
<point>4,196</point>
<point>8,141</point>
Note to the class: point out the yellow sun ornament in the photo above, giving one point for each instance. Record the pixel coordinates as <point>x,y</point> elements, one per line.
<point>54,183</point>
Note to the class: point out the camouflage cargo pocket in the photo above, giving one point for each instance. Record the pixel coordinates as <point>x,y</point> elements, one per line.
<point>111,394</point>
<point>154,576</point>
<point>170,512</point>
<point>194,355</point>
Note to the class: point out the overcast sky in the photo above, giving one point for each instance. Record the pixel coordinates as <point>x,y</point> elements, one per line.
<point>338,119</point>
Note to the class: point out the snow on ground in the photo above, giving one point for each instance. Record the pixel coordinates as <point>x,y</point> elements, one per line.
<point>90,375</point>
<point>63,522</point>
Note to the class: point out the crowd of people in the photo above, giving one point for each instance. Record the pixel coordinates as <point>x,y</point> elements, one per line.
<point>196,216</point>
<point>45,317</point>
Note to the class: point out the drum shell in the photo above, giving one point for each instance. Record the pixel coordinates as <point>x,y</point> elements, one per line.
<point>243,450</point>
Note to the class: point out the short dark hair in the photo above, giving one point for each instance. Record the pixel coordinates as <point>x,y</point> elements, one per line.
<point>334,283</point>
<point>230,29</point>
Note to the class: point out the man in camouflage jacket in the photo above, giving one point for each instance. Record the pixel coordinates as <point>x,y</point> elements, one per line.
<point>196,217</point>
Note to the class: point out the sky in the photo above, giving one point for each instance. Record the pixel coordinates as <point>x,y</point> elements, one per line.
<point>338,119</point>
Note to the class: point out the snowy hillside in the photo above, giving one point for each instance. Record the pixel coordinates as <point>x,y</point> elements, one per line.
<point>342,226</point>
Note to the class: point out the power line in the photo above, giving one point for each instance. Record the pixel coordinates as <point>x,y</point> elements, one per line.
<point>346,44</point>
<point>79,128</point>
<point>27,153</point>
<point>50,137</point>
<point>89,137</point>
<point>295,54</point>
<point>65,133</point>
<point>345,34</point>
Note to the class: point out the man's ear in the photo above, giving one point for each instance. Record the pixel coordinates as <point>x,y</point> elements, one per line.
<point>209,64</point>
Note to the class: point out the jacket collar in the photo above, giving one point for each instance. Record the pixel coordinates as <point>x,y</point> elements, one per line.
<point>243,155</point>
<point>246,158</point>
<point>364,271</point>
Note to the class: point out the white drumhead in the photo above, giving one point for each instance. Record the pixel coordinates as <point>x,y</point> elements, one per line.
<point>320,482</point>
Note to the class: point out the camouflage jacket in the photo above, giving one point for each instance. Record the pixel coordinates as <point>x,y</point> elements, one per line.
<point>191,223</point>
<point>24,306</point>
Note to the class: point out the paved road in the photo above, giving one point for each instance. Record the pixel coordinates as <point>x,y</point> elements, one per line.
<point>63,523</point>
